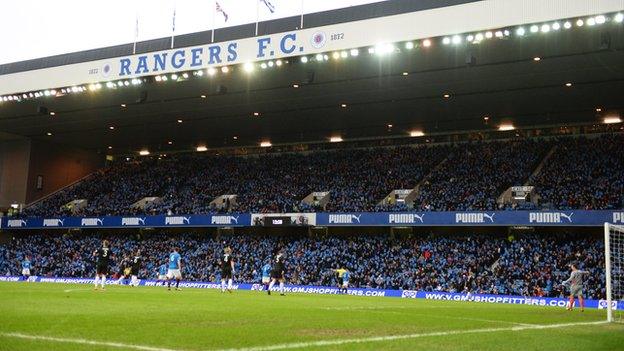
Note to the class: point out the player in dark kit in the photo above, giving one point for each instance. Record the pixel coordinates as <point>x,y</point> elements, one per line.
<point>103,255</point>
<point>136,267</point>
<point>227,269</point>
<point>277,274</point>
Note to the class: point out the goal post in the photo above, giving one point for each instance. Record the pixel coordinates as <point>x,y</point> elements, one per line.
<point>614,266</point>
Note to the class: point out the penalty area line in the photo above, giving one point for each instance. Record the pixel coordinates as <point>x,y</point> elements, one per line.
<point>84,342</point>
<point>321,343</point>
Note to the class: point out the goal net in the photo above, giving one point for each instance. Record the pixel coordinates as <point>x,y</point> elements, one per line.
<point>614,271</point>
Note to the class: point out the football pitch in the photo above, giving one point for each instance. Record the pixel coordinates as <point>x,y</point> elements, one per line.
<point>36,316</point>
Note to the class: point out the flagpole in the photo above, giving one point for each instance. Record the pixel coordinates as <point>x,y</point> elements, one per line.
<point>173,24</point>
<point>301,22</point>
<point>136,33</point>
<point>257,15</point>
<point>214,19</point>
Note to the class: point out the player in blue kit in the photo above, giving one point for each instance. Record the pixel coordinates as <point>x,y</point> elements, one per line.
<point>266,276</point>
<point>345,281</point>
<point>162,274</point>
<point>26,266</point>
<point>175,268</point>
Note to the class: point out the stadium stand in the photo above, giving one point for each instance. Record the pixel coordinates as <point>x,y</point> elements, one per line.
<point>532,265</point>
<point>584,173</point>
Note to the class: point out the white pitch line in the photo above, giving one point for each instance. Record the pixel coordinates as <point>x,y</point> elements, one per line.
<point>84,342</point>
<point>70,290</point>
<point>321,343</point>
<point>298,345</point>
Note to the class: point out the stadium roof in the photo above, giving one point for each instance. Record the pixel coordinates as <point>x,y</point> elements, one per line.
<point>500,79</point>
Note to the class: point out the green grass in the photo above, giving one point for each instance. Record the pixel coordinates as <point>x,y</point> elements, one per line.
<point>197,319</point>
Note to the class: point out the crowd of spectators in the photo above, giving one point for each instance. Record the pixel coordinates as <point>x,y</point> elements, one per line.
<point>531,265</point>
<point>581,174</point>
<point>474,175</point>
<point>357,179</point>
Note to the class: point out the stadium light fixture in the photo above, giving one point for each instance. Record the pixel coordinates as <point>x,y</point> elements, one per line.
<point>579,22</point>
<point>598,109</point>
<point>489,35</point>
<point>111,127</point>
<point>499,34</point>
<point>600,19</point>
<point>456,39</point>
<point>157,78</point>
<point>235,137</point>
<point>479,37</point>
<point>534,28</point>
<point>185,75</point>
<point>568,84</point>
<point>354,52</point>
<point>470,37</point>
<point>174,77</point>
<point>263,65</point>
<point>201,148</point>
<point>619,18</point>
<point>384,49</point>
<point>49,134</point>
<point>304,59</point>
<point>409,45</point>
<point>343,105</point>
<point>446,40</point>
<point>591,21</point>
<point>405,73</point>
<point>270,64</point>
<point>506,127</point>
<point>344,54</point>
<point>278,63</point>
<point>336,55</point>
<point>446,96</point>
<point>199,73</point>
<point>335,139</point>
<point>417,133</point>
<point>256,114</point>
<point>612,120</point>
<point>545,28</point>
<point>556,26</point>
<point>567,25</point>
<point>390,126</point>
<point>144,152</point>
<point>52,113</point>
<point>179,121</point>
<point>319,57</point>
<point>537,58</point>
<point>212,71</point>
<point>123,105</point>
<point>164,78</point>
<point>248,67</point>
<point>110,147</point>
<point>202,96</point>
<point>170,142</point>
<point>225,69</point>
<point>265,144</point>
<point>295,86</point>
<point>426,43</point>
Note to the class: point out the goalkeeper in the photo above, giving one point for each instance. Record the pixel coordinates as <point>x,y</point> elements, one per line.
<point>575,283</point>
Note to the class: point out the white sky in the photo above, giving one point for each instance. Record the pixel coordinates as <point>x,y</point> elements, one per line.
<point>38,28</point>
